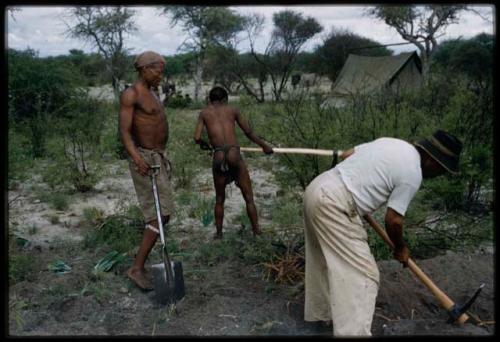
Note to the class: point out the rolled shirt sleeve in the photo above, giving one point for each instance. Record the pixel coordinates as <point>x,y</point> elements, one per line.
<point>401,197</point>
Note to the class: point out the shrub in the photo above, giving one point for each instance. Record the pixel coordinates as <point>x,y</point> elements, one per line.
<point>20,162</point>
<point>22,266</point>
<point>75,152</point>
<point>120,232</point>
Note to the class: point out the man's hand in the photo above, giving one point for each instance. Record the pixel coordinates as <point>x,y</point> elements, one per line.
<point>267,149</point>
<point>141,166</point>
<point>401,254</point>
<point>204,145</point>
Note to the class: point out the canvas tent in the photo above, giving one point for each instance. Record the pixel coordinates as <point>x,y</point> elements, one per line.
<point>366,75</point>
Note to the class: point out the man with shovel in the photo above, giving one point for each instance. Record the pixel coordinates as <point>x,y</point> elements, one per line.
<point>144,133</point>
<point>227,165</point>
<point>341,275</point>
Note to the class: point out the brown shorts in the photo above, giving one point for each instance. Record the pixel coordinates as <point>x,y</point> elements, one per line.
<point>144,187</point>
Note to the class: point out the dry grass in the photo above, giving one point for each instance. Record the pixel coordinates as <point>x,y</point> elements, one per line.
<point>286,269</point>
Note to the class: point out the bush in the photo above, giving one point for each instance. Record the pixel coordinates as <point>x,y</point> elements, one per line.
<point>75,153</point>
<point>22,266</point>
<point>120,232</point>
<point>38,90</point>
<point>20,162</point>
<point>178,102</point>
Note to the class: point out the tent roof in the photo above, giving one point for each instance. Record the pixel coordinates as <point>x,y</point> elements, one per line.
<point>364,74</point>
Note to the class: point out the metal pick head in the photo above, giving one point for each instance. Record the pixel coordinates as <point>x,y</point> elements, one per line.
<point>457,311</point>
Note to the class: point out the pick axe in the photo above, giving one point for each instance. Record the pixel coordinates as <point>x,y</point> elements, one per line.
<point>457,313</point>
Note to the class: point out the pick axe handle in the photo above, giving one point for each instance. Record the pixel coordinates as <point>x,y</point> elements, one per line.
<point>291,150</point>
<point>443,299</point>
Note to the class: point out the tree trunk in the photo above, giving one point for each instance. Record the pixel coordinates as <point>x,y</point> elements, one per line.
<point>198,79</point>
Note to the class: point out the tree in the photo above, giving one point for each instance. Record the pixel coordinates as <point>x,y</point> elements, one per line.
<point>105,28</point>
<point>291,32</point>
<point>13,10</point>
<point>420,25</point>
<point>471,57</point>
<point>330,56</point>
<point>38,90</point>
<point>207,27</point>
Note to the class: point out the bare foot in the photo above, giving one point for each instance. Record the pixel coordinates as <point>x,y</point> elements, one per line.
<point>218,235</point>
<point>140,278</point>
<point>256,231</point>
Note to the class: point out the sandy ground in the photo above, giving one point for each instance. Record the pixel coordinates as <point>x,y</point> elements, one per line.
<point>227,298</point>
<point>321,84</point>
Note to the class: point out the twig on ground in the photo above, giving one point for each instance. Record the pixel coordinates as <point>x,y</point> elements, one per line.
<point>386,318</point>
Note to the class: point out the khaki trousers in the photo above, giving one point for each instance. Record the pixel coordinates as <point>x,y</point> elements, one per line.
<point>341,275</point>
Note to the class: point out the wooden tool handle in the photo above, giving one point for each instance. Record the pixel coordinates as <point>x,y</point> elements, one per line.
<point>445,301</point>
<point>291,150</point>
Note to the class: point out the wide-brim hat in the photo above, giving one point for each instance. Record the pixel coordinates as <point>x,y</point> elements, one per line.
<point>443,148</point>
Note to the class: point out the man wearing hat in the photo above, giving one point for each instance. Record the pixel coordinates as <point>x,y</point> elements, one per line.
<point>144,133</point>
<point>341,275</point>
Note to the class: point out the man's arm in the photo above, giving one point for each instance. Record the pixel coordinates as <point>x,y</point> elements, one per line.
<point>126,116</point>
<point>251,135</point>
<point>346,154</point>
<point>394,228</point>
<point>197,134</point>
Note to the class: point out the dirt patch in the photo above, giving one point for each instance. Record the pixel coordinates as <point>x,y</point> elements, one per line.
<point>223,298</point>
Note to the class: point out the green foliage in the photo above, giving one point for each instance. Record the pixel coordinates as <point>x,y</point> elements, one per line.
<point>330,56</point>
<point>19,161</point>
<point>22,266</point>
<point>186,157</point>
<point>59,201</point>
<point>305,123</point>
<point>59,267</point>
<point>472,57</point>
<point>75,151</point>
<point>105,28</point>
<point>179,64</point>
<point>202,208</point>
<point>38,86</point>
<point>178,101</point>
<point>242,217</point>
<point>106,263</point>
<point>120,232</point>
<point>287,212</point>
<point>237,245</point>
<point>445,193</point>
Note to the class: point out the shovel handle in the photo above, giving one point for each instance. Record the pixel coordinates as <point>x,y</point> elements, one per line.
<point>166,258</point>
<point>443,299</point>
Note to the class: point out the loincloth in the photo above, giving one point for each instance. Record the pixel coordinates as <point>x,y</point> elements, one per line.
<point>221,167</point>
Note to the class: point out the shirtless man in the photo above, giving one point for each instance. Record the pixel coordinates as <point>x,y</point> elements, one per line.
<point>144,133</point>
<point>227,165</point>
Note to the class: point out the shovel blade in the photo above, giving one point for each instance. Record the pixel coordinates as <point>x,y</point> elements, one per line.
<point>165,292</point>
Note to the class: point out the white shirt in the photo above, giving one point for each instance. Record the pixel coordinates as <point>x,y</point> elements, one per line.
<point>386,170</point>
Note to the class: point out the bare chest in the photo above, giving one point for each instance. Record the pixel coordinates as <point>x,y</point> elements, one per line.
<point>150,104</point>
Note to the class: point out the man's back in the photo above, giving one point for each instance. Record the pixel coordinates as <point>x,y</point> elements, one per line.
<point>384,170</point>
<point>219,120</point>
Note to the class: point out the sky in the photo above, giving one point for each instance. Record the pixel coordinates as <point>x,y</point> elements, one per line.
<point>42,28</point>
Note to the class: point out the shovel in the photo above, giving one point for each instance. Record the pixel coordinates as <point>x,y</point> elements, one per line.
<point>168,280</point>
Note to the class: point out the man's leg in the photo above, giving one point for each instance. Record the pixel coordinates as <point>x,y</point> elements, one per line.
<point>245,185</point>
<point>317,291</point>
<point>352,270</point>
<point>137,272</point>
<point>220,196</point>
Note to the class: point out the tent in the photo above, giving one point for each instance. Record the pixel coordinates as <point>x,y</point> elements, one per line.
<point>366,75</point>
